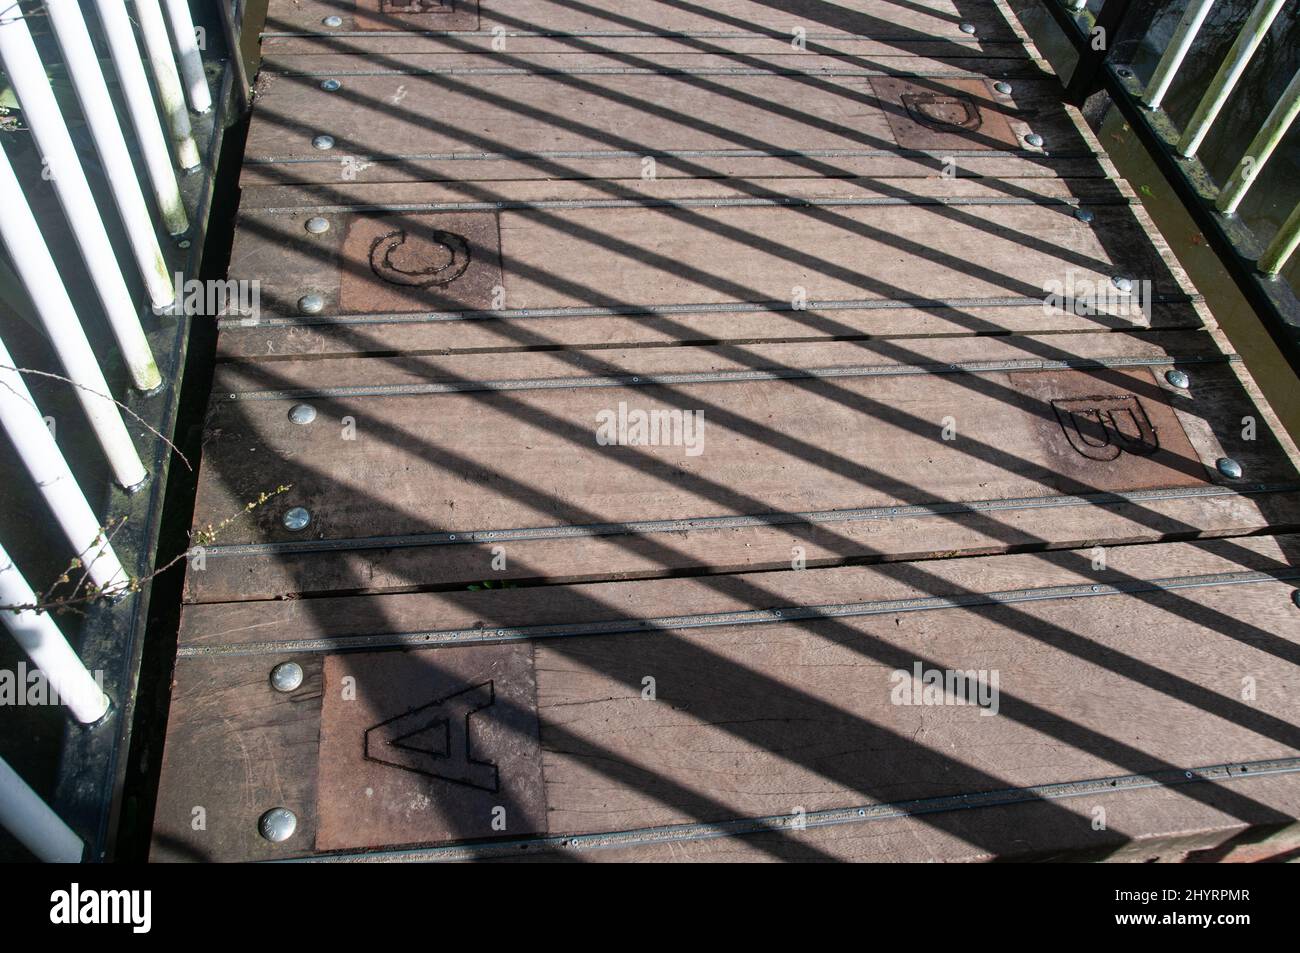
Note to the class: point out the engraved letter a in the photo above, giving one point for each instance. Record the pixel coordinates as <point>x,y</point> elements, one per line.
<point>434,740</point>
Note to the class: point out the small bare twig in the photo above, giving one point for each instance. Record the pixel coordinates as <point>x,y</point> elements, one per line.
<point>140,420</point>
<point>83,592</point>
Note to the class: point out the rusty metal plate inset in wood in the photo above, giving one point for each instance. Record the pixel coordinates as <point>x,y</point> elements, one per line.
<point>425,747</point>
<point>429,16</point>
<point>943,114</point>
<point>419,263</point>
<point>1110,430</point>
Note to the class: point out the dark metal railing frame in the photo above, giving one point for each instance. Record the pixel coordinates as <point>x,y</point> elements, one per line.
<point>1237,247</point>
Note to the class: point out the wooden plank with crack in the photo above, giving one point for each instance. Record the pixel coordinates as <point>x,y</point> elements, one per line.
<point>803,259</point>
<point>415,468</point>
<point>1128,666</point>
<point>562,123</point>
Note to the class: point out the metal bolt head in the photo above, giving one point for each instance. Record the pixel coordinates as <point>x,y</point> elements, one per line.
<point>968,28</point>
<point>302,413</point>
<point>1003,88</point>
<point>1178,378</point>
<point>332,21</point>
<point>323,142</point>
<point>277,825</point>
<point>1084,215</point>
<point>286,677</point>
<point>317,225</point>
<point>1034,139</point>
<point>311,304</point>
<point>1123,284</point>
<point>297,518</point>
<point>1229,468</point>
<point>331,85</point>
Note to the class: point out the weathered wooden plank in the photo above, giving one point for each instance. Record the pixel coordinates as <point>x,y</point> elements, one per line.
<point>401,116</point>
<point>390,457</point>
<point>848,244</point>
<point>351,622</point>
<point>235,749</point>
<point>771,718</point>
<point>394,729</point>
<point>573,59</point>
<point>927,19</point>
<point>627,167</point>
<point>739,326</point>
<point>933,190</point>
<point>1213,827</point>
<point>500,277</point>
<point>866,50</point>
<point>809,717</point>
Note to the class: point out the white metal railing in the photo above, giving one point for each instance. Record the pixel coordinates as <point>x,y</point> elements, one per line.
<point>161,78</point>
<point>1212,103</point>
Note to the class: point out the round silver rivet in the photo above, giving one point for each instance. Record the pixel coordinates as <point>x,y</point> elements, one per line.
<point>1035,140</point>
<point>1003,88</point>
<point>331,85</point>
<point>311,304</point>
<point>323,142</point>
<point>1122,283</point>
<point>183,243</point>
<point>318,225</point>
<point>968,28</point>
<point>1229,468</point>
<point>297,518</point>
<point>277,825</point>
<point>1084,215</point>
<point>302,413</point>
<point>1178,378</point>
<point>333,21</point>
<point>286,677</point>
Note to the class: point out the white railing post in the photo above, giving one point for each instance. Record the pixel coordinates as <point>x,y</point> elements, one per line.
<point>1216,94</point>
<point>49,651</point>
<point>1283,245</point>
<point>187,49</point>
<point>159,48</point>
<point>37,449</point>
<point>144,118</point>
<point>97,107</point>
<point>41,111</point>
<point>31,259</point>
<point>31,821</point>
<point>1172,60</point>
<point>1261,147</point>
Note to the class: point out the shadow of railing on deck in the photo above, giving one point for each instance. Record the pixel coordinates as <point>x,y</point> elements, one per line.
<point>862,735</point>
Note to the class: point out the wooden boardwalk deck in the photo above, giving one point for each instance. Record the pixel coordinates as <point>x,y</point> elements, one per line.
<point>809,242</point>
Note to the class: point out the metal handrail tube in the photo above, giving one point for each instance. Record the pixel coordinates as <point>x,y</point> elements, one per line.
<point>35,825</point>
<point>1234,65</point>
<point>45,645</point>
<point>32,261</point>
<point>1282,246</point>
<point>172,98</point>
<point>63,168</point>
<point>144,117</point>
<point>40,454</point>
<point>97,108</point>
<point>187,52</point>
<point>1189,27</point>
<point>1261,147</point>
